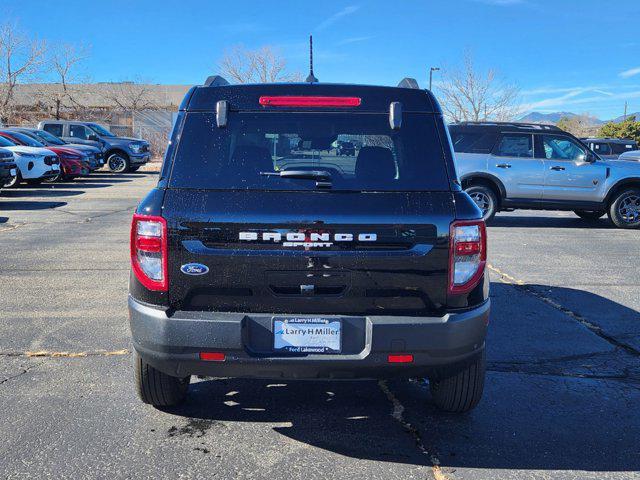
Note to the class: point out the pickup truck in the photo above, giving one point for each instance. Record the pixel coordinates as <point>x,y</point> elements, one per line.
<point>122,154</point>
<point>252,258</point>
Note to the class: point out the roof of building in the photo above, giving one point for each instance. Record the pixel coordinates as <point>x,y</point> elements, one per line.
<point>102,95</point>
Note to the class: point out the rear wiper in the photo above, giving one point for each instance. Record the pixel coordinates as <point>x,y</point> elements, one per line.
<point>322,177</point>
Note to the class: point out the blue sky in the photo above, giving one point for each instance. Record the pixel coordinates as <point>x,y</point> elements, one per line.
<point>570,55</point>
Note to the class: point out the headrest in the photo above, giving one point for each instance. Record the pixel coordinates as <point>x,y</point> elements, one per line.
<point>375,165</point>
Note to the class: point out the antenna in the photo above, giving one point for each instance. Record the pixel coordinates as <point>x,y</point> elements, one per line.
<point>311,78</point>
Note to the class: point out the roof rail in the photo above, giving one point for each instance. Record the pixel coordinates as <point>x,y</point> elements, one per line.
<point>537,126</point>
<point>215,81</point>
<point>408,82</point>
<point>611,139</point>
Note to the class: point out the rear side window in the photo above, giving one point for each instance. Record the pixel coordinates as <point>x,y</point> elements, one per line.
<point>359,151</point>
<point>515,145</point>
<point>472,142</point>
<point>53,128</point>
<point>619,148</point>
<point>602,148</point>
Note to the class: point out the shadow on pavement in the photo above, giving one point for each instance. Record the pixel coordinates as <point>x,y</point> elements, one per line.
<point>548,222</point>
<point>549,419</point>
<point>91,183</point>
<point>49,192</point>
<point>351,418</point>
<point>29,205</point>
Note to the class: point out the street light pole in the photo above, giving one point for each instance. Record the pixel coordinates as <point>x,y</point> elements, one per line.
<point>431,70</point>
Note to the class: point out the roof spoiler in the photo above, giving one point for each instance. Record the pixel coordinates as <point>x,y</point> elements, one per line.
<point>408,82</point>
<point>215,81</point>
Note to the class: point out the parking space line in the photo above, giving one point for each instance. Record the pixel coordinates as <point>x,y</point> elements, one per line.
<point>593,328</point>
<point>504,278</point>
<point>65,354</point>
<point>397,414</point>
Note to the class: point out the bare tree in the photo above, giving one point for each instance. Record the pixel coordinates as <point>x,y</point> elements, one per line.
<point>263,65</point>
<point>470,95</point>
<point>20,59</point>
<point>130,96</point>
<point>64,62</point>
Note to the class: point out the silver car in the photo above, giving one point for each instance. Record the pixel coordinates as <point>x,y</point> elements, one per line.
<point>506,166</point>
<point>631,156</point>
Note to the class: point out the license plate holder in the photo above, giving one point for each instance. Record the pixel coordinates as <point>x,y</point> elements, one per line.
<point>307,335</point>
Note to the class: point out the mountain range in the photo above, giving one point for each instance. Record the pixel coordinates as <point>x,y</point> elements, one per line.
<point>554,117</point>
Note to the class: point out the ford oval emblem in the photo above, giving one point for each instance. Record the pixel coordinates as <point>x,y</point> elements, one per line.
<point>194,269</point>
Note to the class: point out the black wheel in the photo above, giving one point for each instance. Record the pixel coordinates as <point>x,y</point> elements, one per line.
<point>486,200</point>
<point>589,214</point>
<point>58,177</point>
<point>463,391</point>
<point>624,209</point>
<point>14,182</point>
<point>157,388</point>
<point>118,163</point>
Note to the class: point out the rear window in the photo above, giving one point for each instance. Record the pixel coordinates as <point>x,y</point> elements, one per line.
<point>359,151</point>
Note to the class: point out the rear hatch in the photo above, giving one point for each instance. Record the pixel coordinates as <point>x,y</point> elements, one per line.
<point>265,216</point>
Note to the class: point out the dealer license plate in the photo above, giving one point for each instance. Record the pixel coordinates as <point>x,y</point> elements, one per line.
<point>307,335</point>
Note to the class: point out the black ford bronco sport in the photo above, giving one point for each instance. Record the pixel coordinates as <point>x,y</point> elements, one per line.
<point>263,253</point>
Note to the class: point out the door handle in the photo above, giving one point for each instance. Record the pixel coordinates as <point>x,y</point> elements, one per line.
<point>557,168</point>
<point>503,165</point>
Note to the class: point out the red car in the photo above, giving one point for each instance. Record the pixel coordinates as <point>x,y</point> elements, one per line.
<point>71,161</point>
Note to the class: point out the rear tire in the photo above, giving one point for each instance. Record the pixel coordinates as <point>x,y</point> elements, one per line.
<point>486,200</point>
<point>157,388</point>
<point>589,214</point>
<point>624,209</point>
<point>463,391</point>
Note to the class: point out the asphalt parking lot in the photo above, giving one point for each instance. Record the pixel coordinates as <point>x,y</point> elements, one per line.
<point>562,398</point>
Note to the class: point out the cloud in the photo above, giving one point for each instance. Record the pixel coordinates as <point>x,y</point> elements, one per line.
<point>348,41</point>
<point>597,97</point>
<point>630,73</point>
<point>337,16</point>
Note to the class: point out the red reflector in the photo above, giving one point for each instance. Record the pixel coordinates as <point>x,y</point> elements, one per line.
<point>212,356</point>
<point>406,358</point>
<point>310,101</point>
<point>148,244</point>
<point>467,248</point>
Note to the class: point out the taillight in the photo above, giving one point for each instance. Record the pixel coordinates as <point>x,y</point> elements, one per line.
<point>310,101</point>
<point>149,251</point>
<point>467,255</point>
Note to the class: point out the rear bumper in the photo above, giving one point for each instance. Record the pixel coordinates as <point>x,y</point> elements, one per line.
<point>439,345</point>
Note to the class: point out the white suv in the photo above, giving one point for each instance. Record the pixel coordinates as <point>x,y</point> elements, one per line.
<point>504,166</point>
<point>34,164</point>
